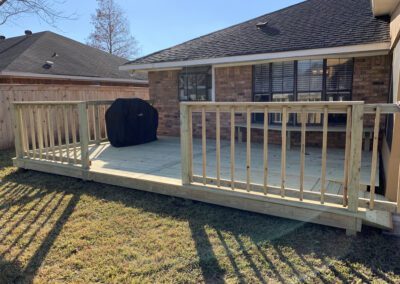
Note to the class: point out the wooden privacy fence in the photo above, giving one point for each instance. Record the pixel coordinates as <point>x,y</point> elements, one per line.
<point>59,131</point>
<point>354,112</point>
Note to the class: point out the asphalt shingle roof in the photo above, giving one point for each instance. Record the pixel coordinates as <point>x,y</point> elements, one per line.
<point>30,53</point>
<point>307,25</point>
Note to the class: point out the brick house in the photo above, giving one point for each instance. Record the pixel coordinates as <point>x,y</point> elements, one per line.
<point>317,50</point>
<point>46,66</point>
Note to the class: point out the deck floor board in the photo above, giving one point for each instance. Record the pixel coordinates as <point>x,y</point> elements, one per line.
<point>162,158</point>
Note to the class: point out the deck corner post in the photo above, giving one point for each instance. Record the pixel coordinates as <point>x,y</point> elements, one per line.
<point>185,123</point>
<point>357,120</point>
<point>84,134</point>
<point>17,130</point>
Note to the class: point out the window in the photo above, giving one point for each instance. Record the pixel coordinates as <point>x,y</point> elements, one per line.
<point>339,81</point>
<point>195,84</point>
<point>310,85</point>
<point>303,80</point>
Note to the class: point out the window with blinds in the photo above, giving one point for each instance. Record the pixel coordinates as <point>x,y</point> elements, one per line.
<point>304,80</point>
<point>339,79</point>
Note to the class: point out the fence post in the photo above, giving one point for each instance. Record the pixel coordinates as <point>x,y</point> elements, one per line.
<point>185,144</point>
<point>17,131</point>
<point>84,134</point>
<point>357,120</point>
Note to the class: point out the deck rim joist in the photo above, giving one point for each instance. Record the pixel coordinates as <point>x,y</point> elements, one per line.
<point>270,205</point>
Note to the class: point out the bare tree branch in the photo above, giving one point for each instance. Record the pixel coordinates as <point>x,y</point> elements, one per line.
<point>111,31</point>
<point>44,9</point>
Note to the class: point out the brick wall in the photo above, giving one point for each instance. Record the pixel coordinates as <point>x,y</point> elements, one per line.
<point>370,84</point>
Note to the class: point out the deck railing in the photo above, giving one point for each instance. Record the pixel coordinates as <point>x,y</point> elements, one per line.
<point>354,112</point>
<point>59,132</point>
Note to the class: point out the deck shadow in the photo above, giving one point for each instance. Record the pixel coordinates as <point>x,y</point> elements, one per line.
<point>370,248</point>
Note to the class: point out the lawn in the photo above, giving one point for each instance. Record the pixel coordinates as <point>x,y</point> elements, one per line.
<point>57,229</point>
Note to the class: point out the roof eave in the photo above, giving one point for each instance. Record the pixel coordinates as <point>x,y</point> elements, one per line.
<point>384,7</point>
<point>371,49</point>
<point>66,77</point>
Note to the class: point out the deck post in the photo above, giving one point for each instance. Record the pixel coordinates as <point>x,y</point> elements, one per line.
<point>97,131</point>
<point>185,144</point>
<point>17,130</point>
<point>84,134</point>
<point>355,156</point>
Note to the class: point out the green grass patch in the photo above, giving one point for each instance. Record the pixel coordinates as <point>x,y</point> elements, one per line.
<point>58,229</point>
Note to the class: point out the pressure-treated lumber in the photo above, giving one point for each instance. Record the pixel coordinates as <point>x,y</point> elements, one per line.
<point>374,156</point>
<point>185,144</point>
<point>84,134</point>
<point>283,154</point>
<point>265,150</point>
<point>233,148</point>
<point>355,157</point>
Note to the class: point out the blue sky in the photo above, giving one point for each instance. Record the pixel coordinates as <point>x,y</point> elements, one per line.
<point>156,24</point>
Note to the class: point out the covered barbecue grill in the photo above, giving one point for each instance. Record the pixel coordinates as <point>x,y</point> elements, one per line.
<point>131,122</point>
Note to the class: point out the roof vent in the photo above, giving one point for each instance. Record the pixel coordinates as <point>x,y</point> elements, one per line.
<point>48,64</point>
<point>260,25</point>
<point>2,37</point>
<point>28,33</point>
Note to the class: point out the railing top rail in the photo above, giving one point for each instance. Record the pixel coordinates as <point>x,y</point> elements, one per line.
<point>280,104</point>
<point>48,103</point>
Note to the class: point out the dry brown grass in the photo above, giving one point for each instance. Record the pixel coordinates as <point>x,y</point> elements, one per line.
<point>57,229</point>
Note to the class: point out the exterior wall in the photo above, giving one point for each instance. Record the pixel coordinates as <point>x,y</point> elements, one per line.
<point>370,84</point>
<point>391,157</point>
<point>51,92</point>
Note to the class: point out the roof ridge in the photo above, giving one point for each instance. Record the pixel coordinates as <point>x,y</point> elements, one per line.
<point>217,31</point>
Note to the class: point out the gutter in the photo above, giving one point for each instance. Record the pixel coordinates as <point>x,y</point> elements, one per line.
<point>381,48</point>
<point>66,77</point>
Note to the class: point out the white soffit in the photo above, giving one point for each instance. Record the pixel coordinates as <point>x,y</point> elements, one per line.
<point>384,7</point>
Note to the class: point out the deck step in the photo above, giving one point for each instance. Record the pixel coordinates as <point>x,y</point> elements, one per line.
<point>378,219</point>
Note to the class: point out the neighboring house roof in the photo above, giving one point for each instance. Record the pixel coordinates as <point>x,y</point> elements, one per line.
<point>312,24</point>
<point>28,54</point>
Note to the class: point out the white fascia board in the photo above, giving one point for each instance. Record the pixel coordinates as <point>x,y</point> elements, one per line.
<point>79,78</point>
<point>384,7</point>
<point>348,51</point>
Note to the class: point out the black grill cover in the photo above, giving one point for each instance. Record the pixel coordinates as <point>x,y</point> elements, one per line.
<point>131,122</point>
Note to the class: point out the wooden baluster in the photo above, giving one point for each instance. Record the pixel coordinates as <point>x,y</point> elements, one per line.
<point>51,132</point>
<point>204,144</point>
<point>266,126</point>
<point>39,130</point>
<point>84,135</point>
<point>302,151</point>
<point>45,135</point>
<point>248,149</point>
<point>73,130</point>
<point>22,128</point>
<point>105,124</point>
<point>66,132</point>
<point>26,130</point>
<point>347,157</point>
<point>283,151</point>
<point>97,131</point>
<point>59,140</point>
<point>324,154</point>
<point>218,145</point>
<point>374,157</point>
<point>233,148</point>
<point>190,144</point>
<point>32,127</point>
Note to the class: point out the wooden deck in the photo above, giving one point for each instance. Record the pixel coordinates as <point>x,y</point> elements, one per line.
<point>162,159</point>
<point>301,183</point>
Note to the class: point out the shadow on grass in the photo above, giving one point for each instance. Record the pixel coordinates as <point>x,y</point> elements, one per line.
<point>267,237</point>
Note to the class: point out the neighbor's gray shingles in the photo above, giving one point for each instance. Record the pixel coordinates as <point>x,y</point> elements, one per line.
<point>307,25</point>
<point>29,54</point>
